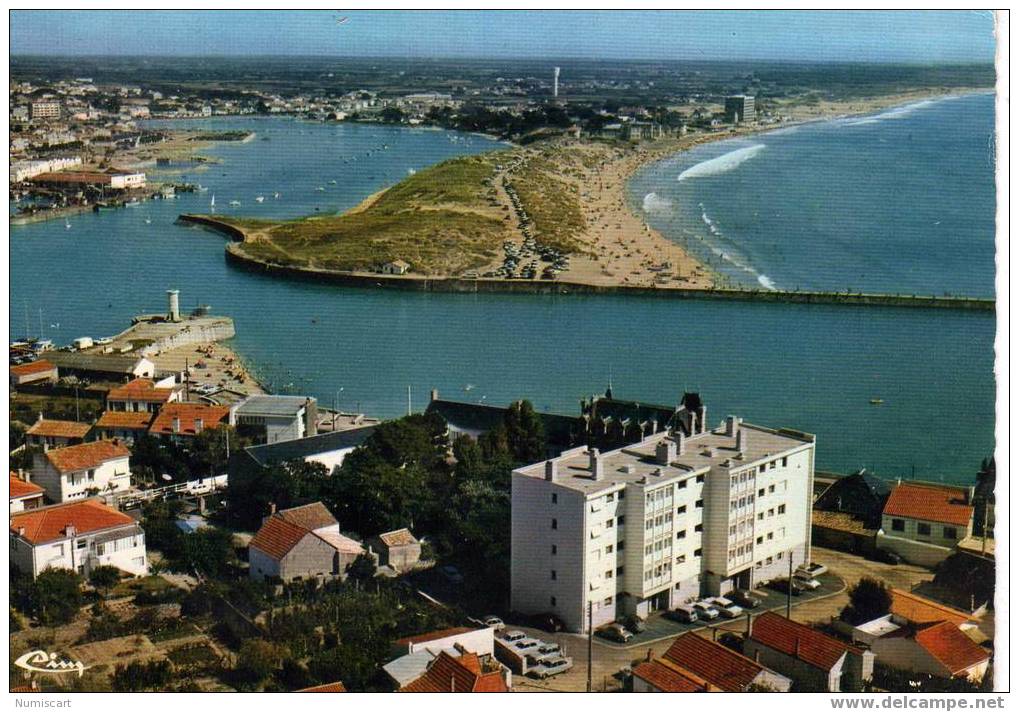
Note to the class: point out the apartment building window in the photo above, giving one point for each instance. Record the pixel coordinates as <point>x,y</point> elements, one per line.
<point>609,523</point>
<point>923,529</point>
<point>619,570</point>
<point>760,540</point>
<point>771,489</point>
<point>668,517</point>
<point>769,560</point>
<point>555,524</point>
<point>681,485</point>
<point>609,549</point>
<point>771,535</point>
<point>649,525</point>
<point>732,530</point>
<point>700,478</point>
<point>742,501</point>
<point>649,498</point>
<point>609,573</point>
<point>622,494</point>
<point>608,601</point>
<point>555,550</point>
<point>785,461</point>
<point>699,504</point>
<point>898,525</point>
<point>734,481</point>
<point>649,549</point>
<point>681,534</point>
<point>732,505</point>
<point>697,552</point>
<point>681,510</point>
<point>772,465</point>
<point>758,565</point>
<point>771,512</point>
<point>659,520</point>
<point>620,520</point>
<point>732,554</point>
<point>779,557</point>
<point>555,498</point>
<point>552,601</point>
<point>553,575</point>
<point>781,509</point>
<point>681,559</point>
<point>950,533</point>
<point>762,468</point>
<point>610,497</point>
<point>760,492</point>
<point>699,528</point>
<point>760,516</point>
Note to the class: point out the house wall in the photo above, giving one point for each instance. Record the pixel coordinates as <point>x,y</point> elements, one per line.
<point>20,504</point>
<point>82,554</point>
<point>773,680</point>
<point>311,557</point>
<point>481,641</point>
<point>110,476</point>
<point>50,376</point>
<point>261,566</point>
<point>924,550</point>
<point>806,677</point>
<point>400,558</point>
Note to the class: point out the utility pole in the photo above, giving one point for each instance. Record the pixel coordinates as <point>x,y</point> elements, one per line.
<point>77,411</point>
<point>590,642</point>
<point>789,590</point>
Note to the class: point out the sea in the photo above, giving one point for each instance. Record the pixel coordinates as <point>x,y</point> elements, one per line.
<point>811,367</point>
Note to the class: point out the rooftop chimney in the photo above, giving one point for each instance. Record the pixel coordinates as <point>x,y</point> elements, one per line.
<point>680,442</point>
<point>551,470</point>
<point>21,531</point>
<point>732,426</point>
<point>69,530</point>
<point>272,508</point>
<point>435,394</point>
<point>597,466</point>
<point>665,451</point>
<point>741,440</point>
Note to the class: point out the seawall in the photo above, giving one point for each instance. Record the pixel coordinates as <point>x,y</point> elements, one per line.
<point>236,257</point>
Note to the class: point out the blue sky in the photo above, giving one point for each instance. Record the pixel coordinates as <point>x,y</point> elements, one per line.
<point>871,36</point>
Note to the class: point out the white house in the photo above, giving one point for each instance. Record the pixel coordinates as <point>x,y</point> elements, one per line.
<point>142,395</point>
<point>79,536</point>
<point>24,495</point>
<point>271,419</point>
<point>683,513</point>
<point>923,523</point>
<point>81,471</point>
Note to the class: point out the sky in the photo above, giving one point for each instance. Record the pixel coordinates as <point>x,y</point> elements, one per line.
<point>866,36</point>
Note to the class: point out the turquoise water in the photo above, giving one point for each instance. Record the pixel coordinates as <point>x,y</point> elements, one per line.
<point>809,367</point>
<point>899,202</point>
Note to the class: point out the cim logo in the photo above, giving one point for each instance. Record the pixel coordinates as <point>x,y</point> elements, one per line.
<point>41,661</point>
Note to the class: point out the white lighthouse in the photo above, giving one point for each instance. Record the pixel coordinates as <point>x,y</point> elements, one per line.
<point>555,83</point>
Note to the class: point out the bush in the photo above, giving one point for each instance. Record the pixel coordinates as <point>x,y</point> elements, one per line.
<point>54,597</point>
<point>154,675</point>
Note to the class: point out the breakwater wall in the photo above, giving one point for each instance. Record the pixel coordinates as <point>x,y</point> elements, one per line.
<point>236,256</point>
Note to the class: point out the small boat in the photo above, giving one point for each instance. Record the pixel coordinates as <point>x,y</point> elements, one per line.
<point>320,189</point>
<point>148,221</point>
<point>332,182</point>
<point>876,401</point>
<point>275,196</point>
<point>235,203</point>
<point>202,188</point>
<point>260,199</point>
<point>67,224</point>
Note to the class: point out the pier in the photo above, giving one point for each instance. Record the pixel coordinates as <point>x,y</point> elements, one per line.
<point>236,256</point>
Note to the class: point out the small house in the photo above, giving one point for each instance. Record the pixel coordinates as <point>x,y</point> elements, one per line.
<point>299,544</point>
<point>81,471</point>
<point>56,433</point>
<point>41,371</point>
<point>398,549</point>
<point>396,267</point>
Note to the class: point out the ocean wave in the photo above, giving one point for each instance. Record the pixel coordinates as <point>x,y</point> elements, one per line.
<point>762,279</point>
<point>899,112</point>
<point>654,203</point>
<point>722,164</point>
<point>411,171</point>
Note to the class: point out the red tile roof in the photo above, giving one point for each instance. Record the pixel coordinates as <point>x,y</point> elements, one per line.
<point>399,537</point>
<point>668,677</point>
<point>49,523</point>
<point>930,503</point>
<point>798,640</point>
<point>277,537</point>
<point>433,635</point>
<point>124,420</point>
<point>951,647</point>
<point>328,687</point>
<point>713,662</point>
<point>920,610</point>
<point>210,415</point>
<point>27,369</point>
<point>86,455</point>
<point>450,674</point>
<point>20,488</point>
<point>309,516</point>
<point>59,429</point>
<point>140,389</point>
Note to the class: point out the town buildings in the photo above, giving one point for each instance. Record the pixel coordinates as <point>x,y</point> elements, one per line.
<point>273,419</point>
<point>78,536</point>
<point>56,433</point>
<point>299,544</point>
<point>81,471</point>
<point>695,664</point>
<point>682,513</point>
<point>740,109</point>
<point>24,495</point>
<point>923,523</point>
<point>142,395</point>
<point>327,449</point>
<point>417,656</point>
<point>180,422</point>
<point>41,371</point>
<point>400,550</point>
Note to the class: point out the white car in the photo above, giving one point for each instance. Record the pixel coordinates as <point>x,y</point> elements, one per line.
<point>806,580</point>
<point>705,611</point>
<point>494,622</point>
<point>813,569</point>
<point>512,636</point>
<point>727,608</point>
<point>527,644</point>
<point>552,666</point>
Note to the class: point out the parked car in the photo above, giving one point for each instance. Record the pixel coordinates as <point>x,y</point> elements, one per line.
<point>527,644</point>
<point>451,574</point>
<point>512,636</point>
<point>494,622</point>
<point>548,622</point>
<point>887,557</point>
<point>783,585</point>
<point>682,614</point>
<point>615,633</point>
<point>726,608</point>
<point>814,569</point>
<point>635,624</point>
<point>744,598</point>
<point>705,610</point>
<point>552,666</point>
<point>806,580</point>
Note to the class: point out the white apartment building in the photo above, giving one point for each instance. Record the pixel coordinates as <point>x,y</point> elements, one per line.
<point>46,110</point>
<point>684,513</point>
<point>79,536</point>
<point>81,471</point>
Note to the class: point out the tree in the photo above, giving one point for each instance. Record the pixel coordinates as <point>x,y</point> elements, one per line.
<point>868,599</point>
<point>104,578</point>
<point>138,676</point>
<point>257,660</point>
<point>54,597</point>
<point>362,568</point>
<point>525,433</point>
<point>392,115</point>
<point>17,434</point>
<point>208,551</point>
<point>252,490</point>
